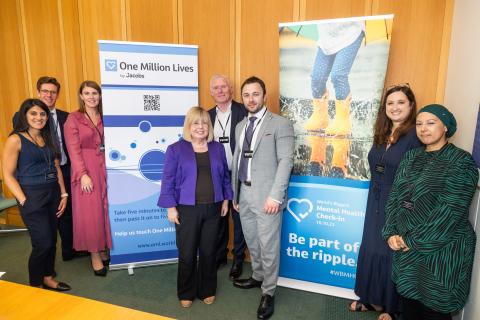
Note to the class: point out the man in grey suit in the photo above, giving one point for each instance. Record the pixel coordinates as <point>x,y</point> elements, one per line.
<point>261,168</point>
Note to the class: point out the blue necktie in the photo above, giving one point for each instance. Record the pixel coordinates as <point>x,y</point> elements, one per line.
<point>247,141</point>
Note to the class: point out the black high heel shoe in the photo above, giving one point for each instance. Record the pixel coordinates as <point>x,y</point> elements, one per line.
<point>61,286</point>
<point>106,263</point>
<point>101,273</point>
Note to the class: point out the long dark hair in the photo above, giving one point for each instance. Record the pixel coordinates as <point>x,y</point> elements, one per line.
<point>383,125</point>
<point>94,85</point>
<point>21,123</point>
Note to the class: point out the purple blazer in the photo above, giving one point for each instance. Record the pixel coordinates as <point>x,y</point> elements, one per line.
<point>180,174</point>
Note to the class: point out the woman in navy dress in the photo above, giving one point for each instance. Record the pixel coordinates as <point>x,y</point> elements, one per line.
<point>31,169</point>
<point>394,135</point>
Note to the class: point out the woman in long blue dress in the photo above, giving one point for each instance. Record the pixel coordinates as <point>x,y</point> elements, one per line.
<point>394,136</point>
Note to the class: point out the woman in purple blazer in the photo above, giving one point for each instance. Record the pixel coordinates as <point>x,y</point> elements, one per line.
<point>195,190</point>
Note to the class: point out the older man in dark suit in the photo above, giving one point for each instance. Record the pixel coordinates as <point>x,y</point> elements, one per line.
<point>225,116</point>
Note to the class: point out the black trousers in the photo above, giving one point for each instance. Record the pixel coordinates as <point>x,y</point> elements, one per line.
<point>65,223</point>
<point>415,310</point>
<point>39,215</point>
<point>197,231</point>
<point>239,244</point>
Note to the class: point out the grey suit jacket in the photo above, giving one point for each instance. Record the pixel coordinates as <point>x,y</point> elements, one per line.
<point>272,160</point>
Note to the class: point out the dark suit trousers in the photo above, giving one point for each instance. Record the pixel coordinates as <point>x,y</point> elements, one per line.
<point>65,224</point>
<point>39,215</point>
<point>197,231</point>
<point>239,244</point>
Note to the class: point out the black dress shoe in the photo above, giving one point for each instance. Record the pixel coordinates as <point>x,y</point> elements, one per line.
<point>106,263</point>
<point>61,286</point>
<point>266,307</point>
<point>236,270</point>
<point>101,273</point>
<point>247,283</point>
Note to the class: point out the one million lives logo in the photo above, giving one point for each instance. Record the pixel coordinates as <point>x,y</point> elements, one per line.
<point>110,65</point>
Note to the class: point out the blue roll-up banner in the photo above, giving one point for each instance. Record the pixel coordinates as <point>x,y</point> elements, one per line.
<point>147,89</point>
<point>332,75</point>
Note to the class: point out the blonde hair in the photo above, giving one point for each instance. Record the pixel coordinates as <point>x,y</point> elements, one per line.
<point>194,114</point>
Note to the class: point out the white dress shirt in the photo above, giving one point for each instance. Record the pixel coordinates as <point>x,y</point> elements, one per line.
<point>221,120</point>
<point>256,126</point>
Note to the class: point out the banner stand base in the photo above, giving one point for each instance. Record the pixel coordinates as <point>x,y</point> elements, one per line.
<point>130,266</point>
<point>317,288</point>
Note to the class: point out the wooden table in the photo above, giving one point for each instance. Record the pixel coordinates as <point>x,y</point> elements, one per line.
<point>25,302</point>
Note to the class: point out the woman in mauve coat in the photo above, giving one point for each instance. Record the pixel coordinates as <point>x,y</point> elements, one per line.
<point>85,144</point>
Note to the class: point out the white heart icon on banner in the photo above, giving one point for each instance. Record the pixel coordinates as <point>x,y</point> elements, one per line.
<point>301,215</point>
<point>111,64</point>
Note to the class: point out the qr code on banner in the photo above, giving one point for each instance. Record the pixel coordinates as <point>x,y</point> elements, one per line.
<point>151,102</point>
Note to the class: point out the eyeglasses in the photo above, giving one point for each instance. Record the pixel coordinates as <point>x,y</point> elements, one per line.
<point>46,92</point>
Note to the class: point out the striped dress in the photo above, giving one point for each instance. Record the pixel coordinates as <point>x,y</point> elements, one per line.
<point>437,269</point>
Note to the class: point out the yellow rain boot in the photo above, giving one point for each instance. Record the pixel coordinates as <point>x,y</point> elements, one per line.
<point>340,153</point>
<point>318,146</point>
<point>319,118</point>
<point>342,125</point>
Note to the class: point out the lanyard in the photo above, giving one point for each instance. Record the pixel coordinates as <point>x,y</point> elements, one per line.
<point>98,131</point>
<point>226,123</point>
<point>253,131</point>
<point>46,155</point>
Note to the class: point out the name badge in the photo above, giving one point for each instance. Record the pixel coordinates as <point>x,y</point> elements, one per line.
<point>380,168</point>
<point>51,175</point>
<point>223,140</point>
<point>407,205</point>
<point>247,154</point>
<point>101,148</point>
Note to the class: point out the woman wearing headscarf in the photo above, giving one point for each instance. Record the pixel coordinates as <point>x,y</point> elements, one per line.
<point>427,221</point>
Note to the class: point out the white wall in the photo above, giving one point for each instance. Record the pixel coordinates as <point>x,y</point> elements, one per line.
<point>472,308</point>
<point>462,97</point>
<point>462,90</point>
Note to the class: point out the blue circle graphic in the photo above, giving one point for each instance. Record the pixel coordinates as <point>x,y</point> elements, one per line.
<point>145,126</point>
<point>151,165</point>
<point>114,155</point>
<point>133,145</point>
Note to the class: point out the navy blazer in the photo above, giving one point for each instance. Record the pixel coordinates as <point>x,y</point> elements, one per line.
<point>238,113</point>
<point>180,174</point>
